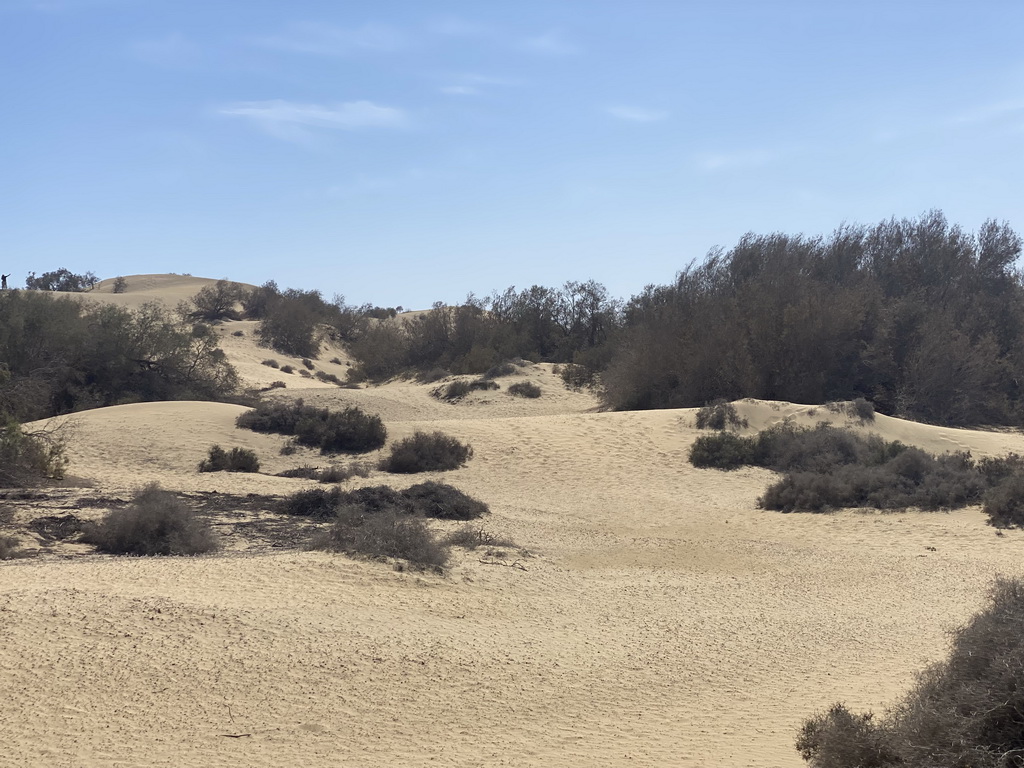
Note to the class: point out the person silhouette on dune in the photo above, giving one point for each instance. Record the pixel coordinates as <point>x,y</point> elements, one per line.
<point>3,282</point>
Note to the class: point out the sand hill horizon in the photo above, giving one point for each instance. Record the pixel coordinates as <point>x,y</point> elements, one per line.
<point>649,613</point>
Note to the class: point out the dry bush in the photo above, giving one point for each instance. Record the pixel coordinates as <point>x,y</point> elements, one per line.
<point>155,523</point>
<point>329,378</point>
<point>9,548</point>
<point>235,460</point>
<point>271,363</point>
<point>287,369</point>
<point>336,473</point>
<point>443,502</point>
<point>386,534</point>
<point>27,458</point>
<point>473,537</point>
<point>435,500</point>
<point>506,368</point>
<point>965,711</point>
<point>348,431</point>
<point>426,452</point>
<point>456,390</point>
<point>524,389</point>
<point>308,363</point>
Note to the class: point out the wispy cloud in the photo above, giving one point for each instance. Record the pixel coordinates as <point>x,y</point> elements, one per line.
<point>291,121</point>
<point>636,114</point>
<point>551,43</point>
<point>472,84</point>
<point>329,40</point>
<point>728,161</point>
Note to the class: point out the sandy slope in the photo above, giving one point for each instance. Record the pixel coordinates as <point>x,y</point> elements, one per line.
<point>662,620</point>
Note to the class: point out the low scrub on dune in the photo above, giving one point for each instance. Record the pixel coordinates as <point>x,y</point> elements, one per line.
<point>434,500</point>
<point>828,468</point>
<point>386,534</point>
<point>963,711</point>
<point>348,431</point>
<point>235,460</point>
<point>427,452</point>
<point>525,389</point>
<point>335,473</point>
<point>9,548</point>
<point>29,457</point>
<point>719,414</point>
<point>155,523</point>
<point>458,389</point>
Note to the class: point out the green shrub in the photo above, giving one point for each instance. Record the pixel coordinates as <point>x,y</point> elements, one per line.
<point>524,389</point>
<point>217,302</point>
<point>155,523</point>
<point>719,415</point>
<point>386,534</point>
<point>427,452</point>
<point>235,460</point>
<point>347,431</point>
<point>963,711</point>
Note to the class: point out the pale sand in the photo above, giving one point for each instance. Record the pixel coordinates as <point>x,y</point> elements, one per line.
<point>662,620</point>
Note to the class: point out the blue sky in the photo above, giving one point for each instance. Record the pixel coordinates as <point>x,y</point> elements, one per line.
<point>402,152</point>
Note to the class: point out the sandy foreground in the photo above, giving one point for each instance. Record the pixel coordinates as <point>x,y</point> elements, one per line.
<point>659,618</point>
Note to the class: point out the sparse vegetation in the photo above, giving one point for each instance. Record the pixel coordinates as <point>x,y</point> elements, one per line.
<point>427,452</point>
<point>120,285</point>
<point>216,302</point>
<point>336,473</point>
<point>328,378</point>
<point>434,500</point>
<point>474,537</point>
<point>155,523</point>
<point>347,431</point>
<point>963,711</point>
<point>308,363</point>
<point>456,390</point>
<point>501,369</point>
<point>235,460</point>
<point>26,458</point>
<point>524,389</point>
<point>384,534</point>
<point>61,280</point>
<point>287,369</point>
<point>719,415</point>
<point>271,363</point>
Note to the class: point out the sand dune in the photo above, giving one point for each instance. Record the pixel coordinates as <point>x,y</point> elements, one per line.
<point>662,619</point>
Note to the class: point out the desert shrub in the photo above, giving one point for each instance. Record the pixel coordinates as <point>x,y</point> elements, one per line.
<point>427,452</point>
<point>336,473</point>
<point>387,534</point>
<point>524,389</point>
<point>238,333</point>
<point>721,451</point>
<point>276,385</point>
<point>719,415</point>
<point>9,547</point>
<point>963,711</point>
<point>216,302</point>
<point>235,460</point>
<point>456,390</point>
<point>287,369</point>
<point>862,409</point>
<point>577,377</point>
<point>120,285</point>
<point>305,471</point>
<point>271,363</point>
<point>305,374</point>
<point>329,378</point>
<point>444,502</point>
<point>289,448</point>
<point>348,431</point>
<point>336,360</point>
<point>155,523</point>
<point>501,369</point>
<point>290,320</point>
<point>1004,504</point>
<point>319,503</point>
<point>308,363</point>
<point>28,457</point>
<point>473,537</point>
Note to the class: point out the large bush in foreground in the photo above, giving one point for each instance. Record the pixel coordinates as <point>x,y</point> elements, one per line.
<point>427,452</point>
<point>964,712</point>
<point>155,523</point>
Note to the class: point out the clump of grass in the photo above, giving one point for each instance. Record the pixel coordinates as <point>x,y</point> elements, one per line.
<point>524,389</point>
<point>330,378</point>
<point>719,415</point>
<point>271,363</point>
<point>347,431</point>
<point>155,523</point>
<point>474,537</point>
<point>506,368</point>
<point>235,460</point>
<point>427,452</point>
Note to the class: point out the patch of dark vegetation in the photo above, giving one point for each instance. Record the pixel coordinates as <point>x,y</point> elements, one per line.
<point>120,285</point>
<point>155,523</point>
<point>386,534</point>
<point>506,368</point>
<point>287,369</point>
<point>827,468</point>
<point>336,360</point>
<point>57,527</point>
<point>9,548</point>
<point>456,390</point>
<point>577,377</point>
<point>235,460</point>
<point>426,452</point>
<point>347,431</point>
<point>963,711</point>
<point>29,457</point>
<point>329,378</point>
<point>434,500</point>
<point>524,389</point>
<point>308,363</point>
<point>305,374</point>
<point>474,537</point>
<point>215,302</point>
<point>61,280</point>
<point>720,415</point>
<point>271,363</point>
